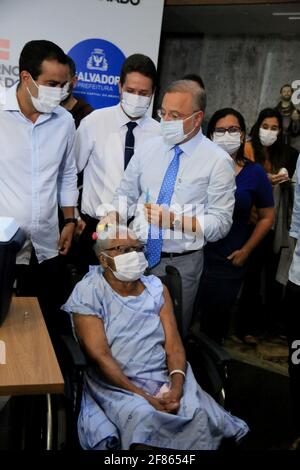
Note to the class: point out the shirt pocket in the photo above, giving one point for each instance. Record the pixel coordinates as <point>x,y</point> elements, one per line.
<point>191,191</point>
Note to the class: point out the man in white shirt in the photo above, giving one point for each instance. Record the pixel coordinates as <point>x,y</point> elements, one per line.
<point>38,169</point>
<point>107,139</point>
<point>183,185</point>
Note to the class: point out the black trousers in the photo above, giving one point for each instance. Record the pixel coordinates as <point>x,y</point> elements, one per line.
<point>85,255</point>
<point>218,289</point>
<point>46,281</point>
<point>80,254</point>
<point>260,307</point>
<point>292,304</point>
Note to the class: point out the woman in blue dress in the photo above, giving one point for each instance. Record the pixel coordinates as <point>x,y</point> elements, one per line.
<point>225,261</point>
<point>139,392</point>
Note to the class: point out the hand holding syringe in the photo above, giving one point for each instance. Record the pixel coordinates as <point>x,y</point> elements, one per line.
<point>157,214</point>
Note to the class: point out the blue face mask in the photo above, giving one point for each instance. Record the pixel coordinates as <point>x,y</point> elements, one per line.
<point>173,131</point>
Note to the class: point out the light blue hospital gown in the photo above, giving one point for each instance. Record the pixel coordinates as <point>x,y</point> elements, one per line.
<point>113,418</point>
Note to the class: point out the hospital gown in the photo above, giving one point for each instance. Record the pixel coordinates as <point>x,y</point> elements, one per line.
<point>114,418</point>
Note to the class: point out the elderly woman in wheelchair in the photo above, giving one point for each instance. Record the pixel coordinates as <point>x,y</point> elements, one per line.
<point>139,391</point>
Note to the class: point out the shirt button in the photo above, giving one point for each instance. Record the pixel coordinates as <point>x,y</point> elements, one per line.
<point>179,180</point>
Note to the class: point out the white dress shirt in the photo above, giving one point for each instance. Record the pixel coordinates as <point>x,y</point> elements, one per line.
<point>100,146</point>
<point>294,274</point>
<point>37,171</point>
<point>205,179</point>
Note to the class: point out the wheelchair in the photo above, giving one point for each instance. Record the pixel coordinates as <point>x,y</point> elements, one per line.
<point>209,361</point>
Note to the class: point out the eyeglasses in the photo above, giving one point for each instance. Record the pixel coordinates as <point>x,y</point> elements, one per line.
<point>173,115</point>
<point>232,130</point>
<point>122,249</point>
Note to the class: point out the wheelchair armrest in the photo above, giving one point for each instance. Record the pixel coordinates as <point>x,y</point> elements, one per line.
<point>219,355</point>
<point>172,271</point>
<point>172,280</point>
<point>210,363</point>
<point>74,351</point>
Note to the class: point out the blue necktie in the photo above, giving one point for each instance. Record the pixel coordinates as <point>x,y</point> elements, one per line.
<point>129,143</point>
<point>155,239</point>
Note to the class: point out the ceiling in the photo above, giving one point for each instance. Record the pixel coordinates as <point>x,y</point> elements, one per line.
<point>233,19</point>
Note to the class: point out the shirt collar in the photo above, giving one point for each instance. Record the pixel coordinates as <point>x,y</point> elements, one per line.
<point>123,119</point>
<point>11,101</point>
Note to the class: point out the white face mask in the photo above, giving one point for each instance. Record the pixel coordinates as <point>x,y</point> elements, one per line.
<point>267,137</point>
<point>173,132</point>
<point>229,143</point>
<point>129,266</point>
<point>48,97</point>
<point>135,105</point>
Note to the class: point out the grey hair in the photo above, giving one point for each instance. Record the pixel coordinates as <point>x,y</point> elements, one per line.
<point>111,233</point>
<point>188,86</point>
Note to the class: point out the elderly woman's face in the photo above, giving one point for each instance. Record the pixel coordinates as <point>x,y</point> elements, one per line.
<point>119,246</point>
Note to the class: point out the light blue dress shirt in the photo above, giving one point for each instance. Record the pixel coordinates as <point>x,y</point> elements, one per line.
<point>294,274</point>
<point>204,188</point>
<point>38,171</point>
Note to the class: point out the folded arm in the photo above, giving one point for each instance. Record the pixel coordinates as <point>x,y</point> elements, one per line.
<point>91,334</point>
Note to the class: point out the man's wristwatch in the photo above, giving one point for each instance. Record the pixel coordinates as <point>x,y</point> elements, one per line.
<point>71,220</point>
<point>177,222</point>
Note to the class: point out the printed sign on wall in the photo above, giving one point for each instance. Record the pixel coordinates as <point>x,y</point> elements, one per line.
<point>98,64</point>
<point>98,35</point>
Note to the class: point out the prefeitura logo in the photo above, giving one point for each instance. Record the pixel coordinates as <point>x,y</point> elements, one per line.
<point>98,64</point>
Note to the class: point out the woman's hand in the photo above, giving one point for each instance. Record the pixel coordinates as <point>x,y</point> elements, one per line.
<point>169,403</point>
<point>278,178</point>
<point>157,403</point>
<point>238,257</point>
<point>171,400</point>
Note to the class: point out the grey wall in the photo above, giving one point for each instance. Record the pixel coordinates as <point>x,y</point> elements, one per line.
<point>242,72</point>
